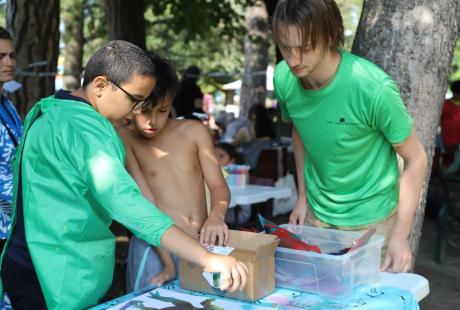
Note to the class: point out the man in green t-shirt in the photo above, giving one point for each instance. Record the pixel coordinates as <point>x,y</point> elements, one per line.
<point>349,122</point>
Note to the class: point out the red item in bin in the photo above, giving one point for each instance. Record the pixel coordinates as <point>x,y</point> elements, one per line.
<point>287,239</point>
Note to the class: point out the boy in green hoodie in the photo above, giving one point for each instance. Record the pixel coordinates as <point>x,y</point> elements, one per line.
<point>70,182</point>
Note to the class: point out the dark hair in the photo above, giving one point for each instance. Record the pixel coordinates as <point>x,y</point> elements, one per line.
<point>4,34</point>
<point>455,87</point>
<point>319,22</point>
<point>118,61</point>
<point>192,73</point>
<point>228,148</point>
<point>263,125</point>
<point>167,82</point>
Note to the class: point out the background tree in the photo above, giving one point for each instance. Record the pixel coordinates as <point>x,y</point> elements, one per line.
<point>84,30</point>
<point>126,20</point>
<point>72,18</point>
<point>94,27</point>
<point>253,89</point>
<point>351,11</point>
<point>34,26</point>
<point>413,41</point>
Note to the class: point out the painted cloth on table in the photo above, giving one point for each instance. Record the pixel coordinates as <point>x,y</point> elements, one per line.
<point>73,184</point>
<point>347,129</point>
<point>364,297</point>
<point>143,264</point>
<point>10,133</point>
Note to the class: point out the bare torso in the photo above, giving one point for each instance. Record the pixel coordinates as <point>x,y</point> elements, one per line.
<point>171,168</point>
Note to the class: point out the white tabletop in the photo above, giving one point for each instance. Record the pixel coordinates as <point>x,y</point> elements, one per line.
<point>414,283</point>
<point>250,194</point>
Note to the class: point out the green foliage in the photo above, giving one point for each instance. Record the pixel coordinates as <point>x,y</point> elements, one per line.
<point>94,23</point>
<point>3,13</point>
<point>193,19</point>
<point>208,34</point>
<point>95,26</point>
<point>456,63</point>
<point>351,11</point>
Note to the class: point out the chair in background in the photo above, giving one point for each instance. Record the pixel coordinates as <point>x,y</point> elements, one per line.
<point>271,165</point>
<point>448,224</point>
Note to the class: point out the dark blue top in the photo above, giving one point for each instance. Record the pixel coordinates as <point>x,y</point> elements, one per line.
<point>17,248</point>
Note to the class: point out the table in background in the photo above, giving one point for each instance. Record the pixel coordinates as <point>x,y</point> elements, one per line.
<point>251,194</point>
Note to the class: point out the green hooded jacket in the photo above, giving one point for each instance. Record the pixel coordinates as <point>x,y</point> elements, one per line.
<point>74,183</point>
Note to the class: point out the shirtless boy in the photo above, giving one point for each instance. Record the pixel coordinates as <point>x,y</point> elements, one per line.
<point>171,160</point>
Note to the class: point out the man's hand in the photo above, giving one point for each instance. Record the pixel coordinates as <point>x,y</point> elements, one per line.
<point>233,273</point>
<point>214,231</point>
<point>299,213</point>
<point>398,257</point>
<point>166,275</point>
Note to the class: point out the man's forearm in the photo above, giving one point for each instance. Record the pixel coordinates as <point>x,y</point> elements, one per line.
<point>411,183</point>
<point>299,154</point>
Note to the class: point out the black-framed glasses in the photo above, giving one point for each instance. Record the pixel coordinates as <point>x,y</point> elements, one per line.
<point>138,104</point>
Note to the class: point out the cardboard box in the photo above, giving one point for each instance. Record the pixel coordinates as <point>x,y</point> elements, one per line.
<point>256,251</point>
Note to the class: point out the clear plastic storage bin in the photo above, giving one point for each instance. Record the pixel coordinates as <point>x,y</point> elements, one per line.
<point>332,275</point>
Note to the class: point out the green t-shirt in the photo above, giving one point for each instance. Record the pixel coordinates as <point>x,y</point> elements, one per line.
<point>347,129</point>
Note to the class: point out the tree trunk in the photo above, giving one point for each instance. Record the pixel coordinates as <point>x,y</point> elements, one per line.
<point>271,6</point>
<point>72,15</point>
<point>413,41</point>
<point>34,26</point>
<point>126,20</point>
<point>253,88</point>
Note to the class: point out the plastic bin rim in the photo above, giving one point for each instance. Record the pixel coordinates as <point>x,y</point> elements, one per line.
<point>376,240</point>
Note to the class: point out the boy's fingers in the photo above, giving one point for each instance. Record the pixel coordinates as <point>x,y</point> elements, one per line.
<point>202,236</point>
<point>243,270</point>
<point>226,236</point>
<point>156,281</point>
<point>223,235</point>
<point>236,276</point>
<point>226,278</point>
<point>206,236</point>
<point>160,282</point>
<point>219,238</point>
<point>212,238</point>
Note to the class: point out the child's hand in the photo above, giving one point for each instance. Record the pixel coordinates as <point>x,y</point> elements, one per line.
<point>166,275</point>
<point>214,231</point>
<point>233,273</point>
